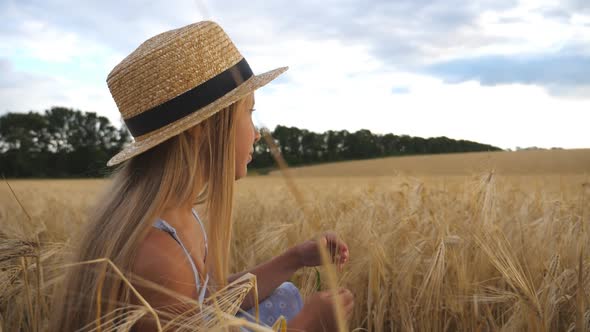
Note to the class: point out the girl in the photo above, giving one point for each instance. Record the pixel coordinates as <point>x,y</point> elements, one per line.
<point>187,97</point>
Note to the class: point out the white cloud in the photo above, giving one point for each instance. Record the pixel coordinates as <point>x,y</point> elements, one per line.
<point>46,43</point>
<point>346,58</point>
<point>525,29</point>
<point>23,92</point>
<point>324,96</point>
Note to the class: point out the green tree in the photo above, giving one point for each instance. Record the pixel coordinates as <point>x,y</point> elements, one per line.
<point>61,142</point>
<point>313,147</point>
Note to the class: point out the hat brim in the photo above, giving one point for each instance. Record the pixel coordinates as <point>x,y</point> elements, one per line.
<point>148,141</point>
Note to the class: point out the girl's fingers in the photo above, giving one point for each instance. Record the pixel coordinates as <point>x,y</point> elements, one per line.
<point>339,252</point>
<point>344,254</point>
<point>335,243</point>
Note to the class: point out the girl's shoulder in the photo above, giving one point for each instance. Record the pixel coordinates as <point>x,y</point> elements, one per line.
<point>162,261</point>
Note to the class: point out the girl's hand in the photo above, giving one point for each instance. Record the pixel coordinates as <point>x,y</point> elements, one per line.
<point>318,312</point>
<point>309,254</point>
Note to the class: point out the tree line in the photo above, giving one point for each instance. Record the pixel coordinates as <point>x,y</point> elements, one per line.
<point>304,147</point>
<point>58,143</point>
<point>63,142</point>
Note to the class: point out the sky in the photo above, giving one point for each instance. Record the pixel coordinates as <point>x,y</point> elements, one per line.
<point>510,73</point>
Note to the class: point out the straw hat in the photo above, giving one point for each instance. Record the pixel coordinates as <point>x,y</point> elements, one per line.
<point>177,79</point>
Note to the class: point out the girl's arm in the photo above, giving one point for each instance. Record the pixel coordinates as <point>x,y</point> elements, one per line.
<point>270,275</point>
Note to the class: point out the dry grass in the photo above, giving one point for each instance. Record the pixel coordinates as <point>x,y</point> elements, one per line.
<point>537,162</point>
<point>435,253</point>
<point>431,252</point>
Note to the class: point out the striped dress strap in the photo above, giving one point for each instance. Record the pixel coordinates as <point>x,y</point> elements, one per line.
<point>166,227</point>
<point>204,233</point>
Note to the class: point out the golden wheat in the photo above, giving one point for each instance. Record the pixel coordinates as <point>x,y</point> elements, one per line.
<point>428,252</point>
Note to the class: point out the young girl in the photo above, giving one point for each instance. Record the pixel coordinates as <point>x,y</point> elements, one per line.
<point>187,97</point>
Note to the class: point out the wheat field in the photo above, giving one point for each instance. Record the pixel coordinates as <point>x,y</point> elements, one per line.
<point>476,242</point>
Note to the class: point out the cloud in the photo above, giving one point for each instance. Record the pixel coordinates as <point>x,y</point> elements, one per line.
<point>22,92</point>
<point>401,33</point>
<point>116,25</point>
<point>557,72</point>
<point>400,90</point>
<point>390,61</point>
<point>505,116</point>
<point>579,6</point>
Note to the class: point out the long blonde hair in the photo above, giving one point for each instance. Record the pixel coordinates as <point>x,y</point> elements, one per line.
<point>139,191</point>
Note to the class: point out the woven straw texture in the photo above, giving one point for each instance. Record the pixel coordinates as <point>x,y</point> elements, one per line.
<point>166,66</point>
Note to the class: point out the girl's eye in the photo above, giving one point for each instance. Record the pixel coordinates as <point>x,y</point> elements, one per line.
<point>252,110</point>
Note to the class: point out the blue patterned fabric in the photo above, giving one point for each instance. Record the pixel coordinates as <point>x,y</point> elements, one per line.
<point>285,300</point>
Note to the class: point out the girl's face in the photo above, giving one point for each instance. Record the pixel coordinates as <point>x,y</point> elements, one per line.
<point>246,136</point>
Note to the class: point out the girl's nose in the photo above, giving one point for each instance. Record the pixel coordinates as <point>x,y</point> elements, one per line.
<point>256,135</point>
